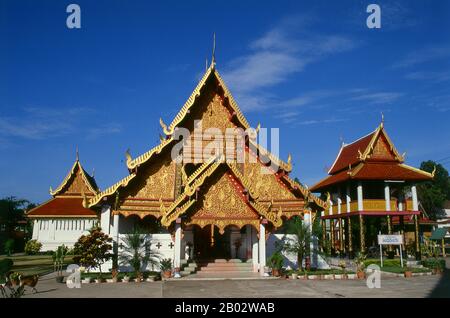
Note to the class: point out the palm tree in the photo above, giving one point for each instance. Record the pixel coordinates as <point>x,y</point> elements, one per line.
<point>299,243</point>
<point>135,252</point>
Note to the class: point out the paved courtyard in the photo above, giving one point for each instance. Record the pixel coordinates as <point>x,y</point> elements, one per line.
<point>424,286</point>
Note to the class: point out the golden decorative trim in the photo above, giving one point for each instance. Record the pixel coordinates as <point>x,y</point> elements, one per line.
<point>95,200</point>
<point>425,173</point>
<point>146,156</point>
<point>306,193</point>
<point>286,166</point>
<point>368,151</point>
<point>189,190</point>
<point>69,176</point>
<point>274,217</point>
<point>223,223</point>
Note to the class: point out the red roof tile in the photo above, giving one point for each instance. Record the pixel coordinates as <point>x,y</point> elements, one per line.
<point>349,154</point>
<point>62,207</point>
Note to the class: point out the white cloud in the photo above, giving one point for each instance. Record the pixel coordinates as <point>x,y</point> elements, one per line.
<point>37,123</point>
<point>274,58</point>
<point>435,77</point>
<point>423,56</point>
<point>378,97</point>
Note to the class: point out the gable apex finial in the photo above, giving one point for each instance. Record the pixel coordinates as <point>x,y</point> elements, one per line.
<point>77,156</point>
<point>213,58</point>
<point>382,120</point>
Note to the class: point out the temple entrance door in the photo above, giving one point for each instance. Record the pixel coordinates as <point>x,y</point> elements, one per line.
<point>209,245</point>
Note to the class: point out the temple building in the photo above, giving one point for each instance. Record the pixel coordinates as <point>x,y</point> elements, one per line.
<point>63,219</point>
<point>368,188</point>
<point>194,201</point>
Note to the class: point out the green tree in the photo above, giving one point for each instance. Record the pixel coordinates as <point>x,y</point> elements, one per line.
<point>12,210</point>
<point>433,194</point>
<point>94,249</point>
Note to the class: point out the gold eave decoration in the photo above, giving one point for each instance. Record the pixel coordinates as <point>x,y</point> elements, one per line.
<point>273,217</point>
<point>196,93</point>
<point>171,213</point>
<point>111,190</point>
<point>69,176</point>
<point>131,164</point>
<point>306,193</point>
<point>368,151</point>
<point>286,166</point>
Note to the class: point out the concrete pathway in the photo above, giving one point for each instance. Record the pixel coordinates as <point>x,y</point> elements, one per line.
<point>423,286</point>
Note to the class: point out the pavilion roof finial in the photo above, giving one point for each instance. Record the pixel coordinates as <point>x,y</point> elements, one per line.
<point>213,58</point>
<point>382,119</point>
<point>77,156</point>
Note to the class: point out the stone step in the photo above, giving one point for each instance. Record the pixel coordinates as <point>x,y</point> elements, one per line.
<point>225,269</point>
<point>220,265</point>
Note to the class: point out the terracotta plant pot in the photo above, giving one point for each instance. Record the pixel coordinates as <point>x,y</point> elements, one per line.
<point>360,275</point>
<point>167,274</point>
<point>275,272</point>
<point>408,274</point>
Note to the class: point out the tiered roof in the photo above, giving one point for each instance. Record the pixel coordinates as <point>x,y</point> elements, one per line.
<point>68,197</point>
<point>372,157</point>
<point>170,209</point>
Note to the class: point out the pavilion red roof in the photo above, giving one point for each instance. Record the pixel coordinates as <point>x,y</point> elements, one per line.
<point>372,157</point>
<point>62,207</point>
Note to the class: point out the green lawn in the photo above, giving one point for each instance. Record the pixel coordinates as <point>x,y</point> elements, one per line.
<point>34,264</point>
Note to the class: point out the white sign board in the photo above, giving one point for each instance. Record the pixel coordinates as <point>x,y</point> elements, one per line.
<point>390,239</point>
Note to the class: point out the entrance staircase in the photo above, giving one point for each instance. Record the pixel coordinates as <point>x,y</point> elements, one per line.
<point>218,268</point>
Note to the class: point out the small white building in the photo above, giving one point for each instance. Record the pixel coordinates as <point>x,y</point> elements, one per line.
<point>63,219</point>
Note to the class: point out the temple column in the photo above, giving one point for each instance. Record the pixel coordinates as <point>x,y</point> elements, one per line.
<point>416,236</point>
<point>360,196</point>
<point>255,252</point>
<point>348,198</point>
<point>177,249</point>
<point>248,241</point>
<point>362,241</point>
<point>105,219</point>
<point>332,236</point>
<point>115,236</point>
<point>262,247</point>
<point>415,202</point>
<point>324,230</point>
<point>350,237</point>
<point>387,197</point>
<point>341,237</point>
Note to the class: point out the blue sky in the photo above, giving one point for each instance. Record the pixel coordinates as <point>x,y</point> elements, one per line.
<point>311,68</point>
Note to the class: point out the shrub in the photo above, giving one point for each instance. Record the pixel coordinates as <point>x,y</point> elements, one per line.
<point>93,250</point>
<point>276,260</point>
<point>434,263</point>
<point>9,246</point>
<point>165,264</point>
<point>32,247</point>
<point>386,262</point>
<point>5,267</point>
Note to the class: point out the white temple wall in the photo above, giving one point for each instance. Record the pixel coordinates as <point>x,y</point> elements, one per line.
<point>55,232</point>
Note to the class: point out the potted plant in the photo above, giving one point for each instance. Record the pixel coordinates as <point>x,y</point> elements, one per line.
<point>166,267</point>
<point>294,275</point>
<point>408,272</point>
<point>114,275</point>
<point>58,262</point>
<point>126,278</point>
<point>14,278</point>
<point>359,262</point>
<point>343,267</point>
<point>276,263</point>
